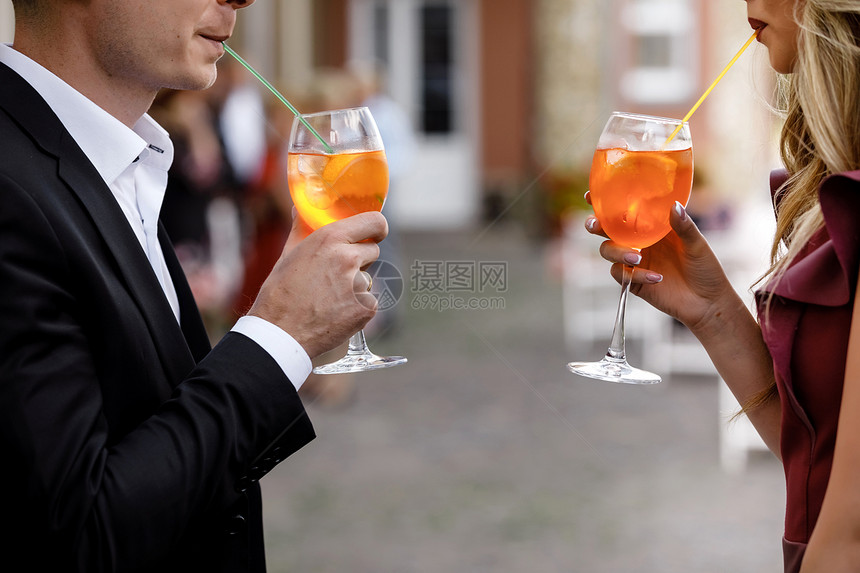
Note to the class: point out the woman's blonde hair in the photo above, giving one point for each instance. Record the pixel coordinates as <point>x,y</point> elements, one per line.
<point>821,134</point>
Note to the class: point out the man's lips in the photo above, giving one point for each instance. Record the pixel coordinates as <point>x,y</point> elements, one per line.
<point>216,37</point>
<point>215,33</point>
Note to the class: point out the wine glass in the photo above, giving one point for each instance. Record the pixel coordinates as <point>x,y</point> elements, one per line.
<point>336,168</point>
<point>641,167</point>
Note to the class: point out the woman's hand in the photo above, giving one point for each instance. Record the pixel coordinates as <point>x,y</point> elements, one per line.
<point>679,275</point>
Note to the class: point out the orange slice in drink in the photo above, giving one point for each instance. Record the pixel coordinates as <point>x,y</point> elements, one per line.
<point>653,167</point>
<point>358,179</point>
<point>335,167</point>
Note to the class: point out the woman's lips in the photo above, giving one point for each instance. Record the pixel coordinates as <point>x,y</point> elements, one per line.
<point>757,25</point>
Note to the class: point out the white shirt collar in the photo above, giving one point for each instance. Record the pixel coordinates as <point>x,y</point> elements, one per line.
<point>109,144</point>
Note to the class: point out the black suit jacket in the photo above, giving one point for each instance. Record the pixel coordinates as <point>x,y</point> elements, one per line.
<point>127,444</point>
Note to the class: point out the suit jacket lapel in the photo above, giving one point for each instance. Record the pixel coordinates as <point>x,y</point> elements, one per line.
<point>190,320</point>
<point>83,179</point>
<point>35,116</point>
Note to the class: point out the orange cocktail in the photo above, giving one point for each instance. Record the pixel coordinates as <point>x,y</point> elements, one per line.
<point>336,168</point>
<point>632,192</point>
<point>642,165</point>
<point>327,188</point>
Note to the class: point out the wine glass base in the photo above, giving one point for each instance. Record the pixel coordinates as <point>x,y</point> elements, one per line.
<point>613,370</point>
<point>359,363</point>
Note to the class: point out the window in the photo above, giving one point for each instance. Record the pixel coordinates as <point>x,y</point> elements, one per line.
<point>662,64</point>
<point>380,32</point>
<point>437,68</point>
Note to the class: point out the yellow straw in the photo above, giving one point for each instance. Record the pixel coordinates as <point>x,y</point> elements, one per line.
<point>713,85</point>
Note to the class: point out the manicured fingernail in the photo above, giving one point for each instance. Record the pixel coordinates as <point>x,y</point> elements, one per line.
<point>632,258</point>
<point>679,209</point>
<point>653,277</point>
<point>590,223</point>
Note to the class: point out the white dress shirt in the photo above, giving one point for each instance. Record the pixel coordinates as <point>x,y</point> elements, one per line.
<point>134,165</point>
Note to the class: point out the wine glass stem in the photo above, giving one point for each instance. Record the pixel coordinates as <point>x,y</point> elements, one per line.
<point>616,345</point>
<point>357,344</point>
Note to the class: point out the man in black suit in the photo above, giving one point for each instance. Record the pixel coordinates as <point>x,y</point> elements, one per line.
<point>127,443</point>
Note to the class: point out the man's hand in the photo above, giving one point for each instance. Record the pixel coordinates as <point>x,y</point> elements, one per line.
<point>311,292</point>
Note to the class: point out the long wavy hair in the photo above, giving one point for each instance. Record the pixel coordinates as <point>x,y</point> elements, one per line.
<point>821,133</point>
<point>820,101</point>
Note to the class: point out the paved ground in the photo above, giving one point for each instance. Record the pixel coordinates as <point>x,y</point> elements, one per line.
<point>485,454</point>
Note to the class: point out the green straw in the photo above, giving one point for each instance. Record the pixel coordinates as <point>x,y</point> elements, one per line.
<point>278,95</point>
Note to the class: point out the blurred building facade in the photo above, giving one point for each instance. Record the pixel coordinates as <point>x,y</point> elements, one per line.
<point>508,96</point>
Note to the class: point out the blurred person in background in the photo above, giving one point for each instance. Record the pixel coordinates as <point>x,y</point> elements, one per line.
<point>241,120</point>
<point>267,206</point>
<point>199,170</point>
<point>133,445</point>
<point>795,370</point>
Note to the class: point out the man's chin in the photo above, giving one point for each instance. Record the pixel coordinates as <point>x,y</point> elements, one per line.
<point>201,80</point>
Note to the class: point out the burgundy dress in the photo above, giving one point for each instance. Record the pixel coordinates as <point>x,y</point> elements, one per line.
<point>806,331</point>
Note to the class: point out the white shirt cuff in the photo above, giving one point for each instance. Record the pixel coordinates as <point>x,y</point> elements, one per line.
<point>288,353</point>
